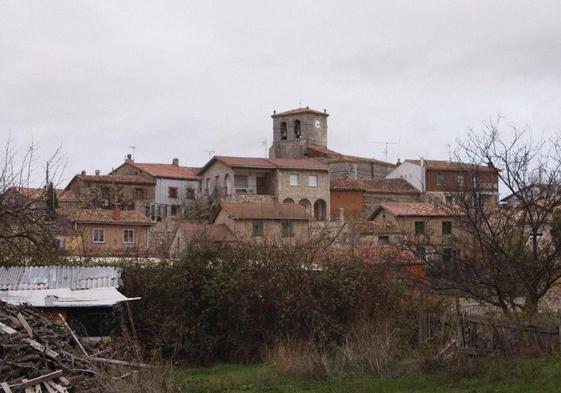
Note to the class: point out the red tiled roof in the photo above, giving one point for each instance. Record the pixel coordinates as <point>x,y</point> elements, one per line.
<point>267,163</point>
<point>316,151</point>
<point>443,165</point>
<point>265,211</point>
<point>212,232</point>
<point>118,179</point>
<point>412,209</point>
<point>41,193</point>
<point>298,111</point>
<point>166,170</point>
<point>104,216</point>
<point>382,185</point>
<point>375,228</point>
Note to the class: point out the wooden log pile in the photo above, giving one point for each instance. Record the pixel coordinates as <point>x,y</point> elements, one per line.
<point>37,355</point>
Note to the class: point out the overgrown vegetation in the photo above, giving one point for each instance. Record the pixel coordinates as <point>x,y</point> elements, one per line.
<point>231,302</point>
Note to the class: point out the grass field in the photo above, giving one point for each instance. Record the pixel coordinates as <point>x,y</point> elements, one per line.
<point>530,375</point>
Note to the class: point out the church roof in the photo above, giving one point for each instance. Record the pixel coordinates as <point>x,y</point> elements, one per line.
<point>298,111</point>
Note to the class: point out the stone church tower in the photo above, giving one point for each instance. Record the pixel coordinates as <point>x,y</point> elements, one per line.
<point>294,131</point>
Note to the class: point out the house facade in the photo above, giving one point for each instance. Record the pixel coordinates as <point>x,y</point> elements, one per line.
<point>301,181</point>
<point>268,223</point>
<point>175,187</point>
<point>440,179</point>
<point>105,232</point>
<point>106,191</point>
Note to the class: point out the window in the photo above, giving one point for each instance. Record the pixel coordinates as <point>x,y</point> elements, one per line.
<point>241,181</point>
<point>139,193</point>
<point>439,180</point>
<point>446,227</point>
<point>287,229</point>
<point>460,180</point>
<point>105,193</point>
<point>419,227</point>
<point>283,131</point>
<point>190,193</point>
<point>294,180</point>
<point>446,254</point>
<point>448,199</point>
<point>422,253</point>
<point>174,209</point>
<point>257,228</point>
<point>383,239</point>
<point>172,192</point>
<point>147,211</point>
<point>313,181</point>
<point>128,236</point>
<point>56,244</point>
<point>297,129</point>
<point>216,183</point>
<point>98,235</point>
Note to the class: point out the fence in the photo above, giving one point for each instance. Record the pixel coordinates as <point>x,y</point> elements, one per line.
<point>480,335</point>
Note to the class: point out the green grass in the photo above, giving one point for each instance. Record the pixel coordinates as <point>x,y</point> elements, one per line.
<point>529,375</point>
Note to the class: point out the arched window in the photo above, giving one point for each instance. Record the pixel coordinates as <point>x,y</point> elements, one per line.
<point>227,184</point>
<point>283,131</point>
<point>288,200</point>
<point>320,209</point>
<point>297,129</point>
<point>306,205</point>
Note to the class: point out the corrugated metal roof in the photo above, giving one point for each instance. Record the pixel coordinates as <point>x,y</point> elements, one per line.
<point>58,277</point>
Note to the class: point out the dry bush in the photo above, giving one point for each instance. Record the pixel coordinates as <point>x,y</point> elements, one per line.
<point>371,349</point>
<point>157,379</point>
<point>298,357</point>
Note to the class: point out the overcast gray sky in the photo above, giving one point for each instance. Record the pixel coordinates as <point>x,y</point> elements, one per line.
<point>179,78</point>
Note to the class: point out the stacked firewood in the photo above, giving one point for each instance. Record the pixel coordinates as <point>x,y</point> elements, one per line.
<point>37,355</point>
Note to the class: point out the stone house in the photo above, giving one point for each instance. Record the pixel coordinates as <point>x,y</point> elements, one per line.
<point>105,191</point>
<point>418,223</point>
<point>175,186</point>
<point>439,179</point>
<point>105,232</point>
<point>269,223</point>
<point>301,181</point>
<point>302,133</point>
<point>187,233</point>
<point>355,199</point>
<point>36,198</point>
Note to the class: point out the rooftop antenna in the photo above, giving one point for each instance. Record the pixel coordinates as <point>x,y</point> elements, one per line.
<point>133,148</point>
<point>386,147</point>
<point>449,146</point>
<point>209,152</point>
<point>265,144</point>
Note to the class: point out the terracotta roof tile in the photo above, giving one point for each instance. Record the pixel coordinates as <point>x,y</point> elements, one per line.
<point>166,170</point>
<point>267,163</point>
<point>413,209</point>
<point>316,151</point>
<point>212,232</point>
<point>382,185</point>
<point>104,216</point>
<point>41,193</point>
<point>266,211</point>
<point>443,165</point>
<point>122,179</point>
<point>298,111</point>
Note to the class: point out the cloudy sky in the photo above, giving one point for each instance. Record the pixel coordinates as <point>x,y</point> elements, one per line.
<point>180,78</point>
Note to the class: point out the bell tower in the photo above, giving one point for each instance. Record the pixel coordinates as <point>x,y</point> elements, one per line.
<point>295,130</point>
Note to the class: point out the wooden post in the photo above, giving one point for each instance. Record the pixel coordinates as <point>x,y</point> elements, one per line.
<point>73,335</point>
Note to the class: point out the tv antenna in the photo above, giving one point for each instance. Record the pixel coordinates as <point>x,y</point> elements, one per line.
<point>386,149</point>
<point>133,148</point>
<point>209,152</point>
<point>265,144</point>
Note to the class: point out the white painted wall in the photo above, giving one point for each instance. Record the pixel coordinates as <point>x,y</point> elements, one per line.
<point>412,173</point>
<point>162,185</point>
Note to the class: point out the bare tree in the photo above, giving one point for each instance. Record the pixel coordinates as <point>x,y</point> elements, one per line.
<point>507,256</point>
<point>26,226</point>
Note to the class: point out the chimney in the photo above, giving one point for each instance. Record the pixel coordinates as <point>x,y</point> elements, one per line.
<point>97,172</point>
<point>398,161</point>
<point>128,158</point>
<point>83,173</point>
<point>175,162</point>
<point>116,213</point>
<point>422,162</point>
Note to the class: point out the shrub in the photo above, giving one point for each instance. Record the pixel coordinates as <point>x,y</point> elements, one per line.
<point>228,302</point>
